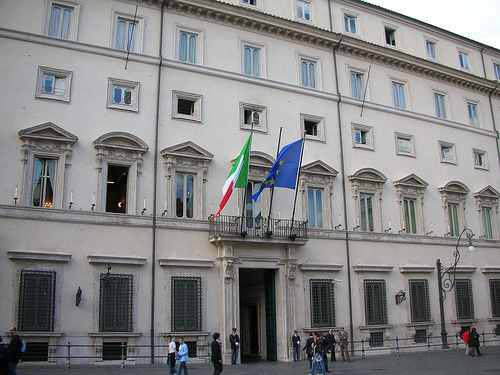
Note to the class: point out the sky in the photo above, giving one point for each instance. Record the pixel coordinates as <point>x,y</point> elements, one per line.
<point>478,19</point>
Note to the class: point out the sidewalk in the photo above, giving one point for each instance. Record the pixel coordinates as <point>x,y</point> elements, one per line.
<point>443,362</point>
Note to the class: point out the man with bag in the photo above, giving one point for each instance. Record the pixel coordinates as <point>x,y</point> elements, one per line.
<point>182,357</point>
<point>14,348</point>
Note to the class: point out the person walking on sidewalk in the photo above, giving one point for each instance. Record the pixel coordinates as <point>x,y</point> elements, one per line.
<point>319,352</point>
<point>344,351</point>
<point>171,355</point>
<point>182,356</point>
<point>216,354</point>
<point>465,337</point>
<point>474,342</point>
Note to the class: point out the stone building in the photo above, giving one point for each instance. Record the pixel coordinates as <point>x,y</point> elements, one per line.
<point>121,120</point>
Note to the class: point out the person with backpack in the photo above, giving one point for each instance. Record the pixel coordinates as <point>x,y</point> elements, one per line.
<point>15,350</point>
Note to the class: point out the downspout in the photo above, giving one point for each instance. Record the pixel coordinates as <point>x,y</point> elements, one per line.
<point>494,123</point>
<point>155,189</point>
<point>482,60</point>
<point>344,182</point>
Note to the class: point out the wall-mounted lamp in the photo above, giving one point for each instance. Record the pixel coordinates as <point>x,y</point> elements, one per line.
<point>356,227</point>
<point>388,230</point>
<point>338,226</point>
<point>78,296</point>
<point>142,211</point>
<point>401,230</point>
<point>400,297</point>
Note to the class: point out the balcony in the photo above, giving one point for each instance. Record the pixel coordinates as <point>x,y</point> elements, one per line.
<point>224,225</point>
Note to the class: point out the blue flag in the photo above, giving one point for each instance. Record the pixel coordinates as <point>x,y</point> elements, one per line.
<point>284,170</point>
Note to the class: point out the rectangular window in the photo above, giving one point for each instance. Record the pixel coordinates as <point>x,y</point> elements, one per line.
<point>44,182</point>
<point>253,114</point>
<point>480,159</point>
<point>375,302</point>
<point>420,336</point>
<point>36,352</point>
<point>60,20</point>
<point>36,301</point>
<point>187,47</point>
<point>186,304</point>
<point>53,84</point>
<point>350,24</point>
<point>313,126</point>
<point>463,58</point>
<point>486,218</point>
<point>357,85</point>
<point>115,303</point>
<point>463,297</point>
<point>116,189</point>
<point>495,297</point>
<point>123,95</point>
<point>440,109</point>
<point>315,205</point>
<point>398,94</point>
<point>419,301</point>
<point>113,351</point>
<point>390,36</point>
<point>447,152</point>
<point>496,68</point>
<point>366,212</point>
<point>431,50</point>
<point>308,73</point>
<point>376,339</point>
<point>304,10</point>
<point>410,216</point>
<point>125,34</point>
<point>404,144</point>
<point>453,219</point>
<point>253,210</point>
<point>472,112</point>
<point>186,106</point>
<point>322,303</point>
<point>251,60</point>
<point>184,199</point>
<point>250,2</point>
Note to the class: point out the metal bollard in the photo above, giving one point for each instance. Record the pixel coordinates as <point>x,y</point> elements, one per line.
<point>68,365</point>
<point>123,354</point>
<point>397,346</point>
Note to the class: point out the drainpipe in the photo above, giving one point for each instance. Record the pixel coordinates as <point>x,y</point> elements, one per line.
<point>482,60</point>
<point>494,123</point>
<point>344,181</point>
<point>155,190</point>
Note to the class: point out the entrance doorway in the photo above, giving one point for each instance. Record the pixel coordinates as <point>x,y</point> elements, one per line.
<point>258,314</point>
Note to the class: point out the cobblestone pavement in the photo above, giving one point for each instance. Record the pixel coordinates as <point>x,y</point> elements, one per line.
<point>443,362</point>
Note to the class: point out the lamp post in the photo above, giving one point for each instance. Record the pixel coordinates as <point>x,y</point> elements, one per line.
<point>446,281</point>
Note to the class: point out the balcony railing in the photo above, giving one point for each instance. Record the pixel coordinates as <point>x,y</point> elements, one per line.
<point>257,227</point>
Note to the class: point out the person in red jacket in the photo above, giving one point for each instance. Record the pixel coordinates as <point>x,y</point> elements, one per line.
<point>465,337</point>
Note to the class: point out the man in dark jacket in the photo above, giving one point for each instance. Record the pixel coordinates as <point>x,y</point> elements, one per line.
<point>308,348</point>
<point>234,339</point>
<point>4,358</point>
<point>330,337</point>
<point>14,349</point>
<point>216,354</point>
<point>474,342</point>
<point>296,346</point>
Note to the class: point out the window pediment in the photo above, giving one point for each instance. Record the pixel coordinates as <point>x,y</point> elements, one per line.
<point>368,175</point>
<point>187,150</point>
<point>411,185</point>
<point>47,132</point>
<point>319,167</point>
<point>454,190</point>
<point>259,165</point>
<point>121,140</point>
<point>488,193</point>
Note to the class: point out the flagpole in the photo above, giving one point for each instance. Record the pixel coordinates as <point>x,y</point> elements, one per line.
<point>244,233</point>
<point>292,236</point>
<point>268,232</point>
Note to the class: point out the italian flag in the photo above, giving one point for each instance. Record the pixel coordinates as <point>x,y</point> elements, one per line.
<point>238,177</point>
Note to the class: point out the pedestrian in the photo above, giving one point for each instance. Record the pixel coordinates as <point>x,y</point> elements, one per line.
<point>330,337</point>
<point>172,351</point>
<point>343,338</point>
<point>474,342</point>
<point>217,354</point>
<point>296,346</point>
<point>308,347</point>
<point>234,339</point>
<point>324,342</point>
<point>4,358</point>
<point>318,363</point>
<point>465,337</point>
<point>14,348</point>
<point>182,356</point>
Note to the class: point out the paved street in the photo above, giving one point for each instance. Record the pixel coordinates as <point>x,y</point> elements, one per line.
<point>448,362</point>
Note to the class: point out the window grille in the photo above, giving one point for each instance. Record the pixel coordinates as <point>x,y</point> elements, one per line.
<point>495,298</point>
<point>420,336</point>
<point>419,301</point>
<point>376,339</point>
<point>112,351</point>
<point>497,330</point>
<point>191,348</point>
<point>463,297</point>
<point>375,302</point>
<point>115,303</point>
<point>322,303</point>
<point>186,304</point>
<point>36,300</point>
<point>36,352</point>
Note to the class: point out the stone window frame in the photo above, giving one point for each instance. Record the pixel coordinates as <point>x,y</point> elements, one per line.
<point>46,141</point>
<point>123,84</point>
<point>318,175</point>
<point>190,158</point>
<point>75,17</point>
<point>454,192</point>
<point>67,75</point>
<point>488,197</point>
<point>411,187</point>
<point>121,149</point>
<point>368,181</point>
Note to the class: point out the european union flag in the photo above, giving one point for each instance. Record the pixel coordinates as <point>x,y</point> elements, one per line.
<point>284,170</point>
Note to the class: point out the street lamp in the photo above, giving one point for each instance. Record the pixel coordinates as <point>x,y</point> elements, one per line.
<point>446,281</point>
